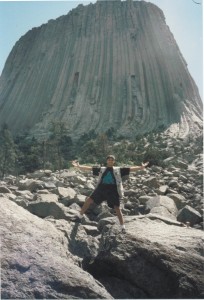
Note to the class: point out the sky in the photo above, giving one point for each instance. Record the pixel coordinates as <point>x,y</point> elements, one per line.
<point>184,18</point>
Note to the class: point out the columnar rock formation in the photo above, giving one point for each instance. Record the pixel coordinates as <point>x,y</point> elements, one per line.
<point>112,64</point>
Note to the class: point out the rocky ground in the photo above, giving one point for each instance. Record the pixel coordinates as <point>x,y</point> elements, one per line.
<point>45,254</point>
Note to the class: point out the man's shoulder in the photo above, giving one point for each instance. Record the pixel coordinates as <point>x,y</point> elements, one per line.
<point>116,168</point>
<point>121,168</point>
<point>124,171</point>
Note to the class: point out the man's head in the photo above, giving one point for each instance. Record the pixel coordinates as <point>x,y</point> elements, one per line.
<point>110,159</point>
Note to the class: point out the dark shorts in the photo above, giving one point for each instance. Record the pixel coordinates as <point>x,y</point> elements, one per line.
<point>106,192</point>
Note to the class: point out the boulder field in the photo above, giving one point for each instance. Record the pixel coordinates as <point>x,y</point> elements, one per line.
<point>45,254</point>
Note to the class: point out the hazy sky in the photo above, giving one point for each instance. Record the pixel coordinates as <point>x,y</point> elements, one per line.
<point>183,17</point>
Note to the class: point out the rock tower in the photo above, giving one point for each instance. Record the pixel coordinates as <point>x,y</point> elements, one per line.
<point>112,64</point>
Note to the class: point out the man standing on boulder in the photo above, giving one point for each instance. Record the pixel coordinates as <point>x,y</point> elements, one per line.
<point>109,186</point>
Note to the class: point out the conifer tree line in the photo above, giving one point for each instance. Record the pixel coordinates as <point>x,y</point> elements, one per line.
<point>22,154</point>
<point>25,154</point>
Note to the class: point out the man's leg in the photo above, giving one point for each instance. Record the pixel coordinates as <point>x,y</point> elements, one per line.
<point>119,214</point>
<point>86,205</point>
<point>84,208</point>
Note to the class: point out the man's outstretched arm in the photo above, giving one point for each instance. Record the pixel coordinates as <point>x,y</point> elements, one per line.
<point>76,164</point>
<point>136,168</point>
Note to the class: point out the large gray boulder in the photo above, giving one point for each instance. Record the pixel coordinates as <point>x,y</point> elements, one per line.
<point>152,182</point>
<point>35,261</point>
<point>162,205</point>
<point>45,209</point>
<point>189,214</point>
<point>179,200</point>
<point>155,255</point>
<point>46,197</point>
<point>30,184</point>
<point>4,190</point>
<point>68,193</point>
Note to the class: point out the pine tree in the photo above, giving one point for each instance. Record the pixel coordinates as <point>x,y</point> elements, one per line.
<point>7,152</point>
<point>30,154</point>
<point>60,145</point>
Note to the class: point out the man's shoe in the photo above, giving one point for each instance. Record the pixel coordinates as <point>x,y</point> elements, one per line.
<point>123,228</point>
<point>77,218</point>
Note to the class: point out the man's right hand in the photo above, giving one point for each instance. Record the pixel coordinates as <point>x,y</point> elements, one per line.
<point>75,163</point>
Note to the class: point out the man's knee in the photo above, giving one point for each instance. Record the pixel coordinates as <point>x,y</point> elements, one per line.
<point>117,208</point>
